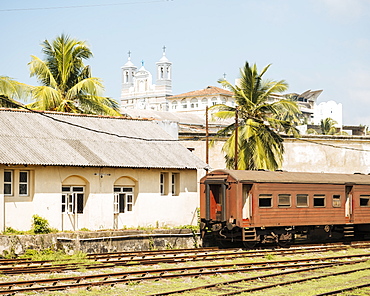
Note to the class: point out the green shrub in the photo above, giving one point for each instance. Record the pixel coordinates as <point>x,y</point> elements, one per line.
<point>40,225</point>
<point>10,230</point>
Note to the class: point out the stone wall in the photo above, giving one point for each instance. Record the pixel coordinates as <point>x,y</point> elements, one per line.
<point>101,241</point>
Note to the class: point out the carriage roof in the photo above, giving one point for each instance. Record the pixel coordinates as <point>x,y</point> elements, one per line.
<point>245,176</point>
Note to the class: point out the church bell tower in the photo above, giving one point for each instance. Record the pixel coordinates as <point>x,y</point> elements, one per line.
<point>164,73</point>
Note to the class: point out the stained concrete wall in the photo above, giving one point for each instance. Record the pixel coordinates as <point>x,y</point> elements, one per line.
<point>101,241</point>
<point>318,153</point>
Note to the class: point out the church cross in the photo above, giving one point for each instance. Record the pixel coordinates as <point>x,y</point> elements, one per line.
<point>129,54</point>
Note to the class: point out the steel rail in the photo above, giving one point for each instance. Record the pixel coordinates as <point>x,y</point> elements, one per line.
<point>64,267</point>
<point>334,292</point>
<point>125,279</point>
<point>155,252</point>
<point>239,291</point>
<point>28,261</point>
<point>294,281</point>
<point>145,254</point>
<point>107,257</point>
<point>180,271</point>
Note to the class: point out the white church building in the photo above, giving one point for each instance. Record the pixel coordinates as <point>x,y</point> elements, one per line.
<point>139,95</point>
<point>138,90</point>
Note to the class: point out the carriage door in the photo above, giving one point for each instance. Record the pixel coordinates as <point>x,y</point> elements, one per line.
<point>247,202</point>
<point>348,205</point>
<point>216,200</point>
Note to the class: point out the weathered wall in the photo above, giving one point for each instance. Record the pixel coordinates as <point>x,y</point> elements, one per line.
<point>101,241</point>
<point>309,154</point>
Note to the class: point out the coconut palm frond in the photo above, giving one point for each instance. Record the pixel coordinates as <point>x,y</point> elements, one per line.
<point>259,121</point>
<point>45,98</point>
<point>74,88</point>
<point>328,126</point>
<point>42,72</point>
<point>13,90</point>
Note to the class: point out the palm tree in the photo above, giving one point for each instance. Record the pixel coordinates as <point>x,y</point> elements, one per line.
<point>11,91</point>
<point>328,126</point>
<point>66,83</point>
<point>259,143</point>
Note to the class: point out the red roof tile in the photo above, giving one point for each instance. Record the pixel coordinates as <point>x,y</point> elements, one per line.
<point>210,90</point>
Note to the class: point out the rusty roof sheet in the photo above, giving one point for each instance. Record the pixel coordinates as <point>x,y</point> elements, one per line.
<point>30,138</point>
<point>294,177</point>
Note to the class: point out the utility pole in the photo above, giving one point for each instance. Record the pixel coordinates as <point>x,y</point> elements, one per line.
<point>207,136</point>
<point>236,139</point>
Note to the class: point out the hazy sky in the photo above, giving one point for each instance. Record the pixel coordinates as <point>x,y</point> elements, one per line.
<point>312,44</point>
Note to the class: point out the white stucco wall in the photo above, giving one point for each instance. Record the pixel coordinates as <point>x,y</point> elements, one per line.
<point>150,207</point>
<point>329,109</point>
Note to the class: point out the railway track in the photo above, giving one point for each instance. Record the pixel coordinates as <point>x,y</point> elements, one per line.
<point>111,260</point>
<point>112,279</point>
<point>140,259</point>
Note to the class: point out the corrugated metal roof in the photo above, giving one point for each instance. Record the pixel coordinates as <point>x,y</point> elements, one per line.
<point>30,138</point>
<point>294,177</point>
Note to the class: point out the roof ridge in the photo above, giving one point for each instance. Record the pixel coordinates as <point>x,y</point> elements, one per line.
<point>72,114</point>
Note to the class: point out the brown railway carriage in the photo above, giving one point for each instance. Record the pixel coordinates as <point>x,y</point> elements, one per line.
<point>263,206</point>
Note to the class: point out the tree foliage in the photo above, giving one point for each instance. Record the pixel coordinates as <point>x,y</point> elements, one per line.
<point>328,126</point>
<point>66,82</point>
<point>260,145</point>
<point>11,91</point>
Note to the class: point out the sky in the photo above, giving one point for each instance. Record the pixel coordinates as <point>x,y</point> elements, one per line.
<point>311,44</point>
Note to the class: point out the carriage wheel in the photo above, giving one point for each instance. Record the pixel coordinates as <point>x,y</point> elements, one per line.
<point>250,244</point>
<point>285,240</point>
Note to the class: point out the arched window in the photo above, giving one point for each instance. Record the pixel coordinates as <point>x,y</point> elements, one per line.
<point>214,101</point>
<point>223,101</point>
<point>194,103</point>
<point>73,195</point>
<point>168,72</point>
<point>204,101</point>
<point>174,105</point>
<point>124,195</point>
<point>184,104</point>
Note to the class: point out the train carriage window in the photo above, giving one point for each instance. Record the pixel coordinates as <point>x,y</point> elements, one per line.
<point>302,200</point>
<point>319,200</point>
<point>336,201</point>
<point>284,200</point>
<point>265,200</point>
<point>364,200</point>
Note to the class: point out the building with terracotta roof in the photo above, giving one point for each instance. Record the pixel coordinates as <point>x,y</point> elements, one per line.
<point>197,101</point>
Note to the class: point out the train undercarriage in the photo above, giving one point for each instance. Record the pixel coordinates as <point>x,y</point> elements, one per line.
<point>225,234</point>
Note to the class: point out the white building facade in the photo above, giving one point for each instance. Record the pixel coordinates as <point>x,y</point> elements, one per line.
<point>138,90</point>
<point>93,172</point>
<point>331,110</point>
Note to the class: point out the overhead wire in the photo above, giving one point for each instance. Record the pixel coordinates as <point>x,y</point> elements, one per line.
<point>83,6</point>
<point>159,140</point>
<point>87,128</point>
